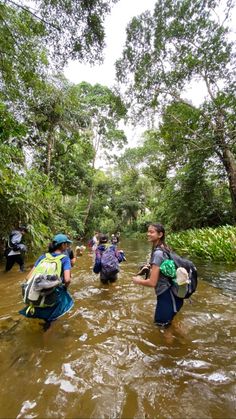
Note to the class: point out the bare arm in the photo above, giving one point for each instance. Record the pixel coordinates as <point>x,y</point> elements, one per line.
<point>72,261</point>
<point>151,281</point>
<point>67,278</point>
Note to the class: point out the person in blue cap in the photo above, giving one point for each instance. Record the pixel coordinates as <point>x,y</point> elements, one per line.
<point>64,301</point>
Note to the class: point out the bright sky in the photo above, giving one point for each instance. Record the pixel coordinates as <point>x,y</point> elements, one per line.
<point>115,25</point>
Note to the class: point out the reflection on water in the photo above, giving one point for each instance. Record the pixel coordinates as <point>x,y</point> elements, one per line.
<point>219,276</point>
<point>106,358</point>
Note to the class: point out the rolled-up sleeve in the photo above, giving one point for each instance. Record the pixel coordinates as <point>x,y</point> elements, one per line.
<point>157,258</point>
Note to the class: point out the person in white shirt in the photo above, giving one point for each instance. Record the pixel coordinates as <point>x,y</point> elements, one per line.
<point>95,241</point>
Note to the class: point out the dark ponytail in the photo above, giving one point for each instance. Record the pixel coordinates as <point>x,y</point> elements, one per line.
<point>53,246</point>
<point>103,238</point>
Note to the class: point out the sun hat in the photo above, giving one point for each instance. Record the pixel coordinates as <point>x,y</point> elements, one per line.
<point>61,238</point>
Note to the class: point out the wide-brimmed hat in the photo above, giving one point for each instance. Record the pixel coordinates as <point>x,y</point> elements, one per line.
<point>61,238</point>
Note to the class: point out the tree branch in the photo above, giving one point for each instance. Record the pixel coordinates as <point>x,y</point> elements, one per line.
<point>67,149</point>
<point>10,32</point>
<point>192,131</point>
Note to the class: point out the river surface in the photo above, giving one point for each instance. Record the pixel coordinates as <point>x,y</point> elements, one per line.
<point>106,358</point>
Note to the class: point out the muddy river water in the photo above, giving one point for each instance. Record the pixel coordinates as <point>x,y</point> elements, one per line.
<point>106,358</point>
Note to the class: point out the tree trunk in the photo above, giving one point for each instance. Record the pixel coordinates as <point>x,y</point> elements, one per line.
<point>230,167</point>
<point>49,154</point>
<point>96,143</point>
<point>90,201</point>
<point>228,159</point>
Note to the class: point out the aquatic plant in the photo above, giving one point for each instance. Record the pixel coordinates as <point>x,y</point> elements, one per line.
<point>218,244</point>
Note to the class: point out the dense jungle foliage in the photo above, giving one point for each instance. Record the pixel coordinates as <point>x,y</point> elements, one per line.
<point>54,134</point>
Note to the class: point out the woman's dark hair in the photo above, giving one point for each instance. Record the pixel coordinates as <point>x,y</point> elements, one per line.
<point>103,238</point>
<point>54,246</point>
<point>114,239</point>
<point>160,229</point>
<point>23,228</point>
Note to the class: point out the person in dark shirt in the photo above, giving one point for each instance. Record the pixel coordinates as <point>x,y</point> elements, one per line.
<point>15,249</point>
<point>69,252</point>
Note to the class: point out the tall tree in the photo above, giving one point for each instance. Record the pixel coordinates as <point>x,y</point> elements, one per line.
<point>55,122</point>
<point>73,29</point>
<point>185,41</point>
<point>102,110</point>
<point>68,29</point>
<point>45,34</point>
<point>23,58</point>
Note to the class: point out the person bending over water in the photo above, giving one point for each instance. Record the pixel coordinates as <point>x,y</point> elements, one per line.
<point>167,303</point>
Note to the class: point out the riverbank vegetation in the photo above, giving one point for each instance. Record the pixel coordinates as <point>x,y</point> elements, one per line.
<point>55,134</point>
<point>216,244</point>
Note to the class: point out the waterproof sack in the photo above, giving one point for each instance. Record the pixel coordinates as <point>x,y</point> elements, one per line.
<point>168,268</point>
<point>40,289</point>
<point>14,243</point>
<point>185,281</point>
<point>109,262</point>
<point>14,240</point>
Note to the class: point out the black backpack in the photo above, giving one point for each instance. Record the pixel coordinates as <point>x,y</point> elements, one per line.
<point>190,268</point>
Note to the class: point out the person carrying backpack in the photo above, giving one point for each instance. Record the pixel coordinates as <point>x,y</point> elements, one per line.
<point>15,249</point>
<point>107,260</point>
<point>46,291</point>
<point>68,252</point>
<point>168,275</point>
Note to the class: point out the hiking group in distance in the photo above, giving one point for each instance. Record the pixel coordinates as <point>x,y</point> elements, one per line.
<point>45,290</point>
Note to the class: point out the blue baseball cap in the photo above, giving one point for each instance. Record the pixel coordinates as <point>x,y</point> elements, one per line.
<point>61,238</point>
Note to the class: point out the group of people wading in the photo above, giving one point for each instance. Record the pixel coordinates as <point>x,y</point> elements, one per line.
<point>45,292</point>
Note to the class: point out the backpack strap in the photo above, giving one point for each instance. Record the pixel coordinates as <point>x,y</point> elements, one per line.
<point>98,253</point>
<point>52,258</point>
<point>167,252</point>
<point>115,250</point>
